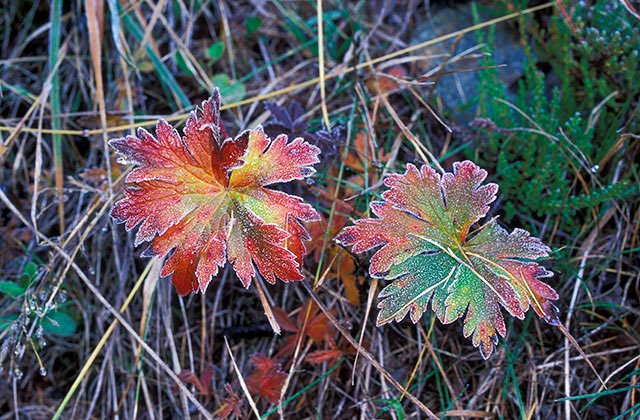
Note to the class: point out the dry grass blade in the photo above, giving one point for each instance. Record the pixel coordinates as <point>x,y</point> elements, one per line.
<point>630,8</point>
<point>95,18</point>
<point>366,354</point>
<point>374,85</point>
<point>267,308</point>
<point>373,288</point>
<point>424,153</point>
<point>331,75</point>
<point>103,340</point>
<point>243,384</point>
<point>156,358</point>
<point>46,89</point>
<point>321,77</point>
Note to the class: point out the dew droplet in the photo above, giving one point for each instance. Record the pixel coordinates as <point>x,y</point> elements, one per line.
<point>595,169</point>
<point>17,373</point>
<point>43,371</point>
<point>61,297</point>
<point>20,352</point>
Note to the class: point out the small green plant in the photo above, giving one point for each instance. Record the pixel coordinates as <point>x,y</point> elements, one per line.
<point>28,315</point>
<point>55,320</point>
<point>229,88</point>
<point>215,51</point>
<point>562,138</point>
<point>18,288</point>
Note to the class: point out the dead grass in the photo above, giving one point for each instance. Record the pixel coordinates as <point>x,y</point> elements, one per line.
<point>72,81</point>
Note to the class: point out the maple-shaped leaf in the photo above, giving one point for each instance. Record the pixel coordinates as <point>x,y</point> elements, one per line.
<point>204,196</point>
<point>333,353</point>
<point>202,383</point>
<point>231,404</point>
<point>267,379</point>
<point>318,328</point>
<point>423,229</point>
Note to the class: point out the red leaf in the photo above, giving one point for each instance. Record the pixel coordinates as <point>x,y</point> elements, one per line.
<point>283,320</point>
<point>322,356</point>
<point>318,328</point>
<point>334,353</point>
<point>207,375</point>
<point>267,379</point>
<point>387,84</point>
<point>189,377</point>
<point>204,197</point>
<point>230,404</point>
<point>339,263</point>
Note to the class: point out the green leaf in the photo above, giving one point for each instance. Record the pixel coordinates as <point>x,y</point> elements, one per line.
<point>182,64</point>
<point>28,274</point>
<point>59,323</point>
<point>392,404</point>
<point>230,91</point>
<point>419,276</point>
<point>12,289</point>
<point>252,24</point>
<point>30,269</point>
<point>7,320</point>
<point>215,51</point>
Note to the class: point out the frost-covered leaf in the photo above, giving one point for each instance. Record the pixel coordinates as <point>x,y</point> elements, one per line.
<point>204,196</point>
<point>426,246</point>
